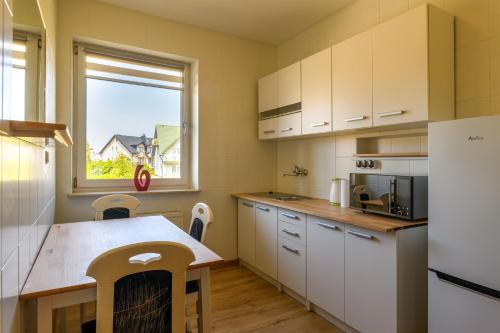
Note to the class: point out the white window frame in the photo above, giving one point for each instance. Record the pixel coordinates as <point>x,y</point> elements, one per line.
<point>80,181</point>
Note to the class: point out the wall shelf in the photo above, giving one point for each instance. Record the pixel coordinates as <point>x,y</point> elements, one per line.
<point>375,155</point>
<point>32,129</point>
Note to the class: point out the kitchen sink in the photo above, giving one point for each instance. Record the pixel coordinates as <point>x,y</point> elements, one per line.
<point>284,196</point>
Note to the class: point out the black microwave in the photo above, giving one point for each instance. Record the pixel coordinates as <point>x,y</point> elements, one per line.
<point>404,197</point>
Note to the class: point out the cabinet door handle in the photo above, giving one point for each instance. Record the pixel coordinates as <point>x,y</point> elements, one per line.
<point>288,129</point>
<point>265,209</point>
<point>269,131</point>
<point>326,225</point>
<point>392,113</point>
<point>294,234</point>
<point>348,120</point>
<point>360,234</point>
<point>290,249</point>
<point>319,124</point>
<point>247,204</point>
<point>290,216</point>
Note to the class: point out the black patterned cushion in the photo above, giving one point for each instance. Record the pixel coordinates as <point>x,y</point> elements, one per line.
<point>116,213</point>
<point>196,229</point>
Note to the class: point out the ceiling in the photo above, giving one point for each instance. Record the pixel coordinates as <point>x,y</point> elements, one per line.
<point>269,21</point>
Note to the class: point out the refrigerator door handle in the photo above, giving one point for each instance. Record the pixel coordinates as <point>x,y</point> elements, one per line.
<point>467,284</point>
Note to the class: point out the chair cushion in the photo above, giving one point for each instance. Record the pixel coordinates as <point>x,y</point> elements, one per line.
<point>116,213</point>
<point>89,327</point>
<point>192,287</point>
<point>196,229</point>
<point>143,303</point>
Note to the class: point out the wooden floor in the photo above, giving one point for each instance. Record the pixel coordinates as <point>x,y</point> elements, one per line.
<point>243,302</point>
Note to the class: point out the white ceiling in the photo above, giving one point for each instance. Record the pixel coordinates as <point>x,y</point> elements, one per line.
<point>270,21</point>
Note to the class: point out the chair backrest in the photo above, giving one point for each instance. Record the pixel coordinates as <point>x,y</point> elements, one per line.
<point>141,287</point>
<point>201,217</point>
<point>115,206</point>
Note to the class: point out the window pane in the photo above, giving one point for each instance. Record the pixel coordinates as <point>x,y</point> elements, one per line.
<point>131,124</point>
<point>18,92</point>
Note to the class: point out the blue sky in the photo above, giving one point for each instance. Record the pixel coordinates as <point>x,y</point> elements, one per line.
<point>120,108</point>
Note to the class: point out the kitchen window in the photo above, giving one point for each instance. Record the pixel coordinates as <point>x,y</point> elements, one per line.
<point>130,109</point>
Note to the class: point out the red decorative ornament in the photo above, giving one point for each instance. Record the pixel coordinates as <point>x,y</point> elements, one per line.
<point>141,178</point>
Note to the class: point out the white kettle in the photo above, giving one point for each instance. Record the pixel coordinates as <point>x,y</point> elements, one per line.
<point>335,191</point>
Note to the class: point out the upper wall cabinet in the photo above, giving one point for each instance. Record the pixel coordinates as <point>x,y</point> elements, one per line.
<point>352,83</point>
<point>413,68</point>
<point>289,85</point>
<point>268,92</point>
<point>317,93</point>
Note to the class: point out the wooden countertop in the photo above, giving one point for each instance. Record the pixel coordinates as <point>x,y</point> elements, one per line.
<point>322,208</point>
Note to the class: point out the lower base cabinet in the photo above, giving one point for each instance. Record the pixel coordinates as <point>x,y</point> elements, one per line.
<point>385,280</point>
<point>373,281</point>
<point>292,265</point>
<point>325,265</point>
<point>266,229</point>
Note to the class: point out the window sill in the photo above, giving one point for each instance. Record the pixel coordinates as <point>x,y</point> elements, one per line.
<point>150,192</point>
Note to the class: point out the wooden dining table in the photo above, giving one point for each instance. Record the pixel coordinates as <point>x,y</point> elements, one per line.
<point>58,277</point>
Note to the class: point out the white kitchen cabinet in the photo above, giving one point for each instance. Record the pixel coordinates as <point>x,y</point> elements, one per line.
<point>289,125</point>
<point>413,68</point>
<point>385,285</point>
<point>317,93</point>
<point>289,87</point>
<point>292,232</point>
<point>246,231</point>
<point>268,92</point>
<point>268,129</point>
<point>325,265</point>
<point>266,239</point>
<point>370,281</point>
<point>352,83</point>
<point>292,265</point>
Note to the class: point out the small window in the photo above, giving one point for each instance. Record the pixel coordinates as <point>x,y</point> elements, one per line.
<point>128,105</point>
<point>26,77</point>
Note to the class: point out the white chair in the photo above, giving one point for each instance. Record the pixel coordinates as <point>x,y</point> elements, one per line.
<point>115,206</point>
<point>201,217</point>
<point>148,280</point>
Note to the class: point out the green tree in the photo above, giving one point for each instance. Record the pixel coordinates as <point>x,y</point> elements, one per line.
<point>120,168</point>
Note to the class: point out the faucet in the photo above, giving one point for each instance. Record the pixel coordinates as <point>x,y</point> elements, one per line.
<point>297,171</point>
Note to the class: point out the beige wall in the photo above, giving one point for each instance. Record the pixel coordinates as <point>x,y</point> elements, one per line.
<point>231,157</point>
<point>477,35</point>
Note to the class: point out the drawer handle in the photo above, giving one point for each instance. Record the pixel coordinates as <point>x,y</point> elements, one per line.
<point>328,226</point>
<point>319,124</point>
<point>290,249</point>
<point>288,129</point>
<point>348,120</point>
<point>247,204</point>
<point>392,113</point>
<point>265,209</point>
<point>360,234</point>
<point>294,234</point>
<point>290,216</point>
<point>269,131</point>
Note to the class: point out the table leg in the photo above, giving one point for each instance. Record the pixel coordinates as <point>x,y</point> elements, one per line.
<point>204,307</point>
<point>44,314</point>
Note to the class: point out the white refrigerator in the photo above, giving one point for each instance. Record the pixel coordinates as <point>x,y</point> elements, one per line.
<point>464,226</point>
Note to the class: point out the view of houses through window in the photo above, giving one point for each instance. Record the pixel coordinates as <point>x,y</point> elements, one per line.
<point>134,116</point>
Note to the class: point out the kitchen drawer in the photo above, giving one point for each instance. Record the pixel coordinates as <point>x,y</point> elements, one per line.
<point>292,265</point>
<point>290,125</point>
<point>268,129</point>
<point>292,232</point>
<point>292,217</point>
